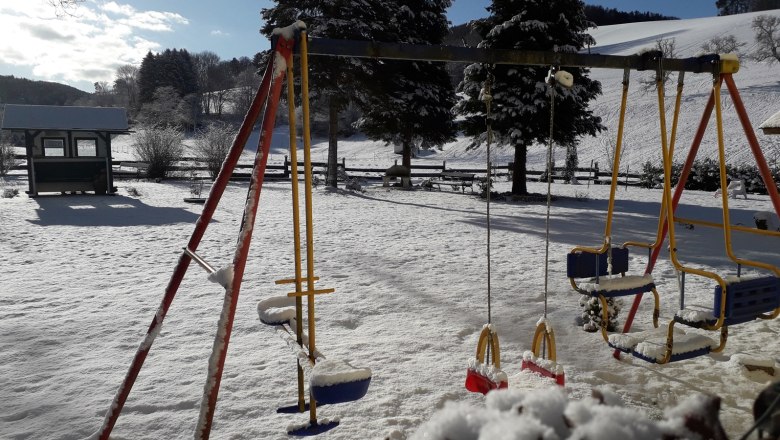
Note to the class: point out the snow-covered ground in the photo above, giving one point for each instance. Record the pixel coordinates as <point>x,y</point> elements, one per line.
<point>82,277</point>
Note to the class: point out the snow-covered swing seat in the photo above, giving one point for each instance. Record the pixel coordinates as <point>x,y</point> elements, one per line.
<point>330,381</point>
<point>595,268</point>
<point>745,299</point>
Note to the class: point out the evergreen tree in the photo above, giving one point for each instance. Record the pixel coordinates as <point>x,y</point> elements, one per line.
<point>521,107</point>
<point>147,78</point>
<point>413,100</point>
<point>171,68</point>
<point>335,81</point>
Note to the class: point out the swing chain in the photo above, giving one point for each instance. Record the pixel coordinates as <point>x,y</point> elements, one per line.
<point>487,97</point>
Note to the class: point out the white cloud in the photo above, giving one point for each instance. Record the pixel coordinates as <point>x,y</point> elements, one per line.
<point>88,44</point>
<point>219,33</point>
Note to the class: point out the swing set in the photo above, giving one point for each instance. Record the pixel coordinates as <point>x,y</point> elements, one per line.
<point>332,382</point>
<point>736,299</point>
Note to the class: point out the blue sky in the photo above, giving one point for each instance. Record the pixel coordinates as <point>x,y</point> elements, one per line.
<point>90,42</point>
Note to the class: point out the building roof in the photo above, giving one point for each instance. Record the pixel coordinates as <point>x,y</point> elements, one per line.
<point>772,123</point>
<point>53,117</point>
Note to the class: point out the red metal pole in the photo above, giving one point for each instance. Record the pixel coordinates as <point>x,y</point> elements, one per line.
<point>763,168</point>
<point>219,353</point>
<point>678,190</point>
<point>217,189</point>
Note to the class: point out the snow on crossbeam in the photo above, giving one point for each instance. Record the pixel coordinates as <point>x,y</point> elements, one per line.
<point>334,381</point>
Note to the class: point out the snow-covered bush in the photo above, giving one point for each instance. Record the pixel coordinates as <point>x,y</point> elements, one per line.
<point>160,147</point>
<point>212,145</point>
<point>7,155</point>
<point>591,313</point>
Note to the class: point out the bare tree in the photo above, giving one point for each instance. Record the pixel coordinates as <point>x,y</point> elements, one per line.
<point>244,91</point>
<point>767,28</point>
<point>205,64</point>
<point>722,45</point>
<point>667,46</point>
<point>212,145</point>
<point>126,84</point>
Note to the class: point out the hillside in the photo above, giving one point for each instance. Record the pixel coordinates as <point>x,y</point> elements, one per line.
<point>24,91</point>
<point>758,84</point>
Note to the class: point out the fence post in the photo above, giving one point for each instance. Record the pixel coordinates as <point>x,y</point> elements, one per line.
<point>627,168</point>
<point>444,165</point>
<point>590,172</point>
<point>286,167</point>
<point>510,171</point>
<point>344,163</point>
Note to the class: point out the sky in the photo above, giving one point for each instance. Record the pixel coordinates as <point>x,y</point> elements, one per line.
<point>88,43</point>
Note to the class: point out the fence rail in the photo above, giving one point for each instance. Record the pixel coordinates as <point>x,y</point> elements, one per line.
<point>283,171</point>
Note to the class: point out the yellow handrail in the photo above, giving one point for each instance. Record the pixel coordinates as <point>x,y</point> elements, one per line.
<point>724,193</point>
<point>672,140</point>
<point>667,161</point>
<point>733,227</point>
<point>615,168</point>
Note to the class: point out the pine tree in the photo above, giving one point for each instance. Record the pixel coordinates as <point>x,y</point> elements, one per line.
<point>730,7</point>
<point>521,107</point>
<point>413,101</point>
<point>147,78</point>
<point>335,82</point>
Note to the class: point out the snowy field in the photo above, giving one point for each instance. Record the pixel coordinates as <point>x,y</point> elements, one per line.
<point>82,277</point>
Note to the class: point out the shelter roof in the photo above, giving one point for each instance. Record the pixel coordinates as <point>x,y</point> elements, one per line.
<point>52,117</point>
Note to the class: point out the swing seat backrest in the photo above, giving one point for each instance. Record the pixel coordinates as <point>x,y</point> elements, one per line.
<point>589,265</point>
<point>746,300</point>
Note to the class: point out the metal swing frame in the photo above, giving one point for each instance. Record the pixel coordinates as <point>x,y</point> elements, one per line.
<point>266,100</point>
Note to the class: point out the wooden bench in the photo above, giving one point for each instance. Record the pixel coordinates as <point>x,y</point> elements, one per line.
<point>141,168</point>
<point>454,179</point>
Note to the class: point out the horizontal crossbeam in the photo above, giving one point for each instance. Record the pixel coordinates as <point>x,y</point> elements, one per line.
<point>416,52</point>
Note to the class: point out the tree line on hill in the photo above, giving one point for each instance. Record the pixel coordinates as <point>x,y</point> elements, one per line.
<point>24,91</point>
<point>730,7</point>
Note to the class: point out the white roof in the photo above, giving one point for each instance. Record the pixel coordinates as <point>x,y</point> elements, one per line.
<point>772,122</point>
<point>52,117</point>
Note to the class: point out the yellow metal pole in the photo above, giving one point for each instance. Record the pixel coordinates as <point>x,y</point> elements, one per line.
<point>720,226</point>
<point>724,193</point>
<point>615,169</point>
<point>670,212</point>
<point>309,209</point>
<point>296,225</point>
<point>672,140</point>
<point>616,160</point>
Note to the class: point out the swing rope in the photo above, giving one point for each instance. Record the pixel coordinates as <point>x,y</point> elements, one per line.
<point>551,81</point>
<point>487,98</point>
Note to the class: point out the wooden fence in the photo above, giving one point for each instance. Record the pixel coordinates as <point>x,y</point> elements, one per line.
<point>125,169</point>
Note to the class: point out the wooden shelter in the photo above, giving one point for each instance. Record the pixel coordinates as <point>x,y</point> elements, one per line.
<point>771,125</point>
<point>67,148</point>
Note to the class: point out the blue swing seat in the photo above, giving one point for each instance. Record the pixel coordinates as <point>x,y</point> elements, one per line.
<point>746,300</point>
<point>650,345</point>
<point>589,265</point>
<point>338,382</point>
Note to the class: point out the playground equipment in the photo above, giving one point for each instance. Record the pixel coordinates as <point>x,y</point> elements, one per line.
<point>325,380</point>
<point>544,337</point>
<point>736,299</point>
<point>330,381</point>
<point>482,375</point>
<point>266,100</point>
